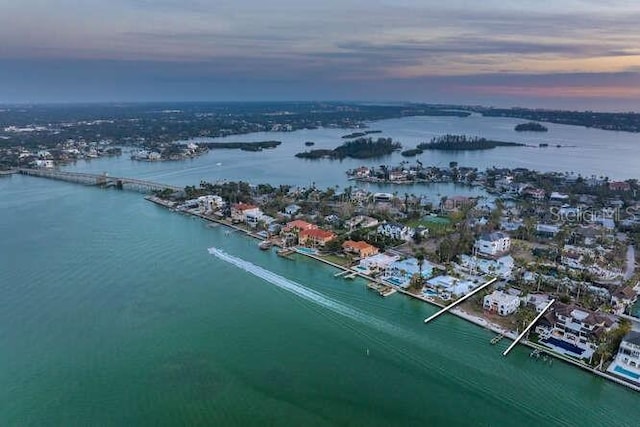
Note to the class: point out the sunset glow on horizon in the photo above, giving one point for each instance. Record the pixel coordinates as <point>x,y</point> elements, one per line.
<point>520,53</point>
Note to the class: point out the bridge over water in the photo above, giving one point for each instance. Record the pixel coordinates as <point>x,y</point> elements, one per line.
<point>100,180</point>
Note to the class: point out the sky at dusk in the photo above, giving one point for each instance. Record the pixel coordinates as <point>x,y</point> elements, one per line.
<point>582,54</point>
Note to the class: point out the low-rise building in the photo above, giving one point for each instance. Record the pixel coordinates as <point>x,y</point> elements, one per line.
<point>315,237</point>
<point>362,249</point>
<point>244,212</point>
<point>501,303</point>
<point>297,226</point>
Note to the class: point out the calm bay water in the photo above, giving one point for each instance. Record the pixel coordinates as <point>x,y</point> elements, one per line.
<point>586,151</point>
<point>112,312</point>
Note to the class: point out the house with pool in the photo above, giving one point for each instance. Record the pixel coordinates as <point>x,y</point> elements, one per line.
<point>446,287</point>
<point>400,272</point>
<point>626,365</point>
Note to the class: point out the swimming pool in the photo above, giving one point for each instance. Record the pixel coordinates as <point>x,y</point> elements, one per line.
<point>309,251</point>
<point>430,292</point>
<point>620,370</point>
<point>564,345</point>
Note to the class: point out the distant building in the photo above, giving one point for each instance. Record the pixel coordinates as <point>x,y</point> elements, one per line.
<point>619,186</point>
<point>492,244</point>
<point>395,231</point>
<point>292,209</point>
<point>547,230</point>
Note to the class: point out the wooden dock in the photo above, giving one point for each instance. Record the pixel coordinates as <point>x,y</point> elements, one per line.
<point>513,344</point>
<point>453,304</point>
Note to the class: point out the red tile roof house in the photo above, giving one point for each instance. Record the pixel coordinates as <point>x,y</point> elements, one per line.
<point>239,211</point>
<point>315,237</point>
<point>619,186</point>
<point>298,225</point>
<point>362,249</point>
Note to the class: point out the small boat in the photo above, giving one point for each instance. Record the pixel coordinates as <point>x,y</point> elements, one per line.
<point>265,244</point>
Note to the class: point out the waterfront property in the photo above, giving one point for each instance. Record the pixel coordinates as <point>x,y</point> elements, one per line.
<point>315,237</point>
<point>627,362</point>
<point>400,272</point>
<point>245,212</point>
<point>376,263</point>
<point>572,330</point>
<point>501,303</point>
<point>501,267</point>
<point>449,286</point>
<point>361,249</point>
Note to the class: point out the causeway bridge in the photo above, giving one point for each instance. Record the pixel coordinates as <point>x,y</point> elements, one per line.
<point>100,180</point>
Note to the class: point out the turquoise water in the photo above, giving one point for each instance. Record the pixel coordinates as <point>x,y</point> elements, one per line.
<point>113,312</point>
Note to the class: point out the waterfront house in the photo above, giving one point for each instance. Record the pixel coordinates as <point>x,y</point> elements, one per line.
<point>315,237</point>
<point>244,212</point>
<point>297,226</point>
<point>627,362</point>
<point>501,303</point>
<point>534,193</point>
<point>395,231</point>
<point>492,244</point>
<point>623,297</point>
<point>501,267</point>
<point>362,249</point>
<point>400,272</point>
<point>210,203</point>
<point>573,329</point>
<point>376,263</point>
<point>448,286</point>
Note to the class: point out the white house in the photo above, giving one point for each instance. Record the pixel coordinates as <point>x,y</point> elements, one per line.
<point>292,209</point>
<point>210,203</point>
<point>246,213</point>
<point>396,231</point>
<point>627,361</point>
<point>501,303</point>
<point>492,244</point>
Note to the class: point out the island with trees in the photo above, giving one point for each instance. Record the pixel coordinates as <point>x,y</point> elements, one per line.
<point>464,143</point>
<point>411,152</point>
<point>530,127</point>
<point>361,148</point>
<point>244,146</point>
<point>360,134</point>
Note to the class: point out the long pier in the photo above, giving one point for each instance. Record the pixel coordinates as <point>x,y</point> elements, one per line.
<point>100,180</point>
<point>513,344</point>
<point>450,306</point>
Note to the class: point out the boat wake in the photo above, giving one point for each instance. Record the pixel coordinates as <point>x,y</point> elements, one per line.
<point>304,292</point>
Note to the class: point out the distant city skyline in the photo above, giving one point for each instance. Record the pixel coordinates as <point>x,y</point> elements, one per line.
<point>578,54</point>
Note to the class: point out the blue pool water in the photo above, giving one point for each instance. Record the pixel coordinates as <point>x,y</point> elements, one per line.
<point>565,345</point>
<point>430,292</point>
<point>620,370</point>
<point>308,251</point>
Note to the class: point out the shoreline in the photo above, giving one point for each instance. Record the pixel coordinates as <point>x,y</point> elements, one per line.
<point>458,312</point>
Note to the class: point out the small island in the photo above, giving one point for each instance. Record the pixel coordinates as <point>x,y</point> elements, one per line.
<point>244,146</point>
<point>411,152</point>
<point>309,143</point>
<point>361,148</point>
<point>530,127</point>
<point>360,134</point>
<point>464,143</point>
